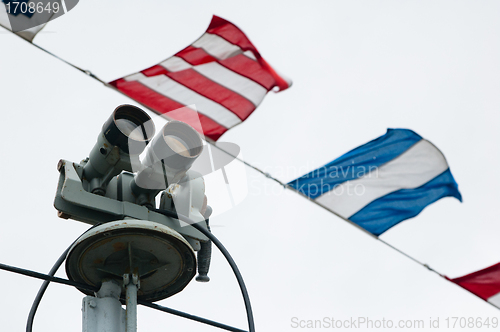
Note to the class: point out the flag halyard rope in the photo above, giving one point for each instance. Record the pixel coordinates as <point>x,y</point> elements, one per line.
<point>267,175</point>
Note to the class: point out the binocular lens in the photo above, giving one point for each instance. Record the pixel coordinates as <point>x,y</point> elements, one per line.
<point>130,129</point>
<point>178,145</point>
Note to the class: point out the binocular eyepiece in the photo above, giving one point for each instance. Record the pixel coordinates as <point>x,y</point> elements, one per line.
<point>129,128</point>
<point>177,146</point>
<point>124,137</point>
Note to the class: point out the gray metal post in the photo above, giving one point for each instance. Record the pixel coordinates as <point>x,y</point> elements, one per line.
<point>104,313</point>
<point>131,287</point>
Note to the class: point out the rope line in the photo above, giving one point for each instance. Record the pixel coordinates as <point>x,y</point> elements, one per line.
<point>267,175</point>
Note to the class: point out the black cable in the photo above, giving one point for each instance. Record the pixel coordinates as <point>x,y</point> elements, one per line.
<point>49,278</point>
<point>189,316</point>
<point>42,276</point>
<point>41,292</point>
<point>45,285</point>
<point>226,254</point>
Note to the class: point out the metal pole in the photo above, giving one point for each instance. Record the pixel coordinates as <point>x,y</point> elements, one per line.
<point>131,287</point>
<point>104,312</point>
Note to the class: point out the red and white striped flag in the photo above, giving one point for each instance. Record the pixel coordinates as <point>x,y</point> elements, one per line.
<point>222,74</point>
<point>483,283</point>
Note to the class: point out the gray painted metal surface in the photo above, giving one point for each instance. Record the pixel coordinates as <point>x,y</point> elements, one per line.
<point>73,201</point>
<point>150,254</point>
<point>104,312</point>
<point>132,284</point>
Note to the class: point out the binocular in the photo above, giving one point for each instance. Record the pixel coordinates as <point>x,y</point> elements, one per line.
<point>116,191</point>
<point>124,136</point>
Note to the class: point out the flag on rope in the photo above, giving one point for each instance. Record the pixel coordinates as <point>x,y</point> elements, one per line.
<point>483,283</point>
<point>27,18</point>
<point>382,182</point>
<point>222,74</point>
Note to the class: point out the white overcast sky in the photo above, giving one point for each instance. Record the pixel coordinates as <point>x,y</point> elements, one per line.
<point>359,67</point>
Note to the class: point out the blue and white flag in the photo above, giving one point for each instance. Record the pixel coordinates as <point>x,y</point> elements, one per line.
<point>382,182</point>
